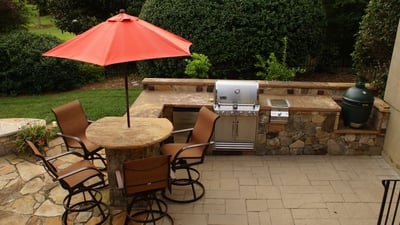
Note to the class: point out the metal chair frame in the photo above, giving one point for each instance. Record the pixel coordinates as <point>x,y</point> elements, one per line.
<point>80,178</point>
<point>141,181</point>
<point>73,122</point>
<point>186,155</point>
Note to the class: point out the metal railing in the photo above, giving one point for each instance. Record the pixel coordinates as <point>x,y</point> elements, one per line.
<point>390,203</point>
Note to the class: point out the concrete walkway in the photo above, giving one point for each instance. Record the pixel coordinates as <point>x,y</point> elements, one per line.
<point>240,190</point>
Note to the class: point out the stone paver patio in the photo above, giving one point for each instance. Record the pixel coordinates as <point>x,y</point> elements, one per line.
<point>240,190</point>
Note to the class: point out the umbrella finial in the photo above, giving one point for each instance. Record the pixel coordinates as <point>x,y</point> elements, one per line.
<point>122,11</point>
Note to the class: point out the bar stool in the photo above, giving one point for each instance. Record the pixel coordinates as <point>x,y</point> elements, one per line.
<point>82,180</point>
<point>184,156</point>
<point>142,180</point>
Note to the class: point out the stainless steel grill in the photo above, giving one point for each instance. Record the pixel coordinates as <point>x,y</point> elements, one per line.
<point>237,104</point>
<point>234,97</point>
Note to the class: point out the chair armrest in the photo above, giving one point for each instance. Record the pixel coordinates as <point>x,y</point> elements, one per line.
<point>186,148</point>
<point>118,176</point>
<point>181,131</point>
<point>188,136</point>
<point>197,145</point>
<point>187,130</point>
<point>77,139</point>
<point>64,154</point>
<point>78,171</point>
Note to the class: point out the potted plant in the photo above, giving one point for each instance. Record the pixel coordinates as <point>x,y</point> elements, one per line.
<point>38,134</point>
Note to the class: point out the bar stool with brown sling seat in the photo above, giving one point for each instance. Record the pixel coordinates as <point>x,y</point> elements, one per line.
<point>142,180</point>
<point>73,122</point>
<point>82,180</point>
<point>186,155</point>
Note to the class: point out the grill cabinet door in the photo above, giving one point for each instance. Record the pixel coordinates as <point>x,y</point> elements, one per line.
<point>246,129</point>
<point>224,128</point>
<point>236,129</point>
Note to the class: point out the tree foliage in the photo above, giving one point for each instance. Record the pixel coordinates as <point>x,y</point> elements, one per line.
<point>232,32</point>
<point>13,15</point>
<point>375,40</point>
<point>76,16</point>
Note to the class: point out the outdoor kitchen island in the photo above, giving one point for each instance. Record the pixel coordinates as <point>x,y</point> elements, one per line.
<point>313,126</point>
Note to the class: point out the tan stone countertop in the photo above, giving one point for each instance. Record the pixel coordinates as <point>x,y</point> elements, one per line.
<point>151,103</point>
<point>303,103</point>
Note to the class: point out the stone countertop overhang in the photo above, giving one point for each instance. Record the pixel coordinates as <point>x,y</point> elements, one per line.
<point>151,103</point>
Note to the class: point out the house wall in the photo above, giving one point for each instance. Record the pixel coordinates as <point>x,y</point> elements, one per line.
<point>391,148</point>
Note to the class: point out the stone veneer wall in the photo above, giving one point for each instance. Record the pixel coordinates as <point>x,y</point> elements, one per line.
<point>307,132</point>
<point>7,144</point>
<point>314,133</point>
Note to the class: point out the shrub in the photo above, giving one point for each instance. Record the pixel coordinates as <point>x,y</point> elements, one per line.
<point>232,32</point>
<point>375,39</point>
<point>198,66</point>
<point>23,69</point>
<point>272,69</point>
<point>90,73</point>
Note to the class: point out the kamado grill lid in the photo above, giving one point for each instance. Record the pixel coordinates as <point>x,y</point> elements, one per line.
<point>358,94</point>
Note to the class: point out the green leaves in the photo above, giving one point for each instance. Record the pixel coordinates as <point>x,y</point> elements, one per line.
<point>23,69</point>
<point>375,40</point>
<point>38,134</point>
<point>198,66</point>
<point>272,69</point>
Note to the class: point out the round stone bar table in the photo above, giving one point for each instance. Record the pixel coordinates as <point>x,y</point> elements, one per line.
<point>122,143</point>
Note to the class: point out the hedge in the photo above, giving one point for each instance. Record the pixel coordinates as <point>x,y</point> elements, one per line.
<point>23,69</point>
<point>232,32</point>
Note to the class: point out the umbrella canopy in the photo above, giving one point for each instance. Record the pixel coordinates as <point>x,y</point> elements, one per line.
<point>122,38</point>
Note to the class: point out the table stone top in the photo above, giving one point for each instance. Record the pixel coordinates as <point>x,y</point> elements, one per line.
<point>113,132</point>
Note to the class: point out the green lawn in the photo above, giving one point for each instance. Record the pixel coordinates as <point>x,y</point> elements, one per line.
<point>45,26</point>
<point>96,103</point>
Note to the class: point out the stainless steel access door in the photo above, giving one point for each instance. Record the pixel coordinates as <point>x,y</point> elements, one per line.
<point>235,133</point>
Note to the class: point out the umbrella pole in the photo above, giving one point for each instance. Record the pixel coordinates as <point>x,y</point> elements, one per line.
<point>127,102</point>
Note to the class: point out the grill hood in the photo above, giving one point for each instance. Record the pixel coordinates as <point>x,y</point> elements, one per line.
<point>236,92</point>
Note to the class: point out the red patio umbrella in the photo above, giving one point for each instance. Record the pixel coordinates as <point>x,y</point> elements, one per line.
<point>122,38</point>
